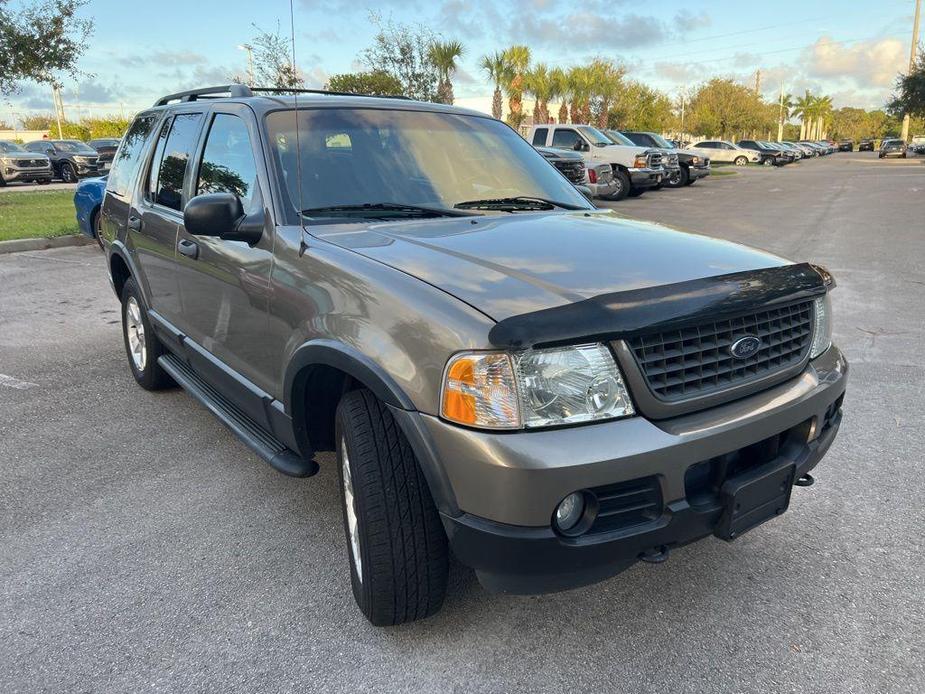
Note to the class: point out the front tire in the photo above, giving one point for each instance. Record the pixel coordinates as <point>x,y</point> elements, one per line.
<point>141,344</point>
<point>396,544</point>
<point>741,161</point>
<point>681,179</point>
<point>623,185</point>
<point>768,162</point>
<point>68,172</point>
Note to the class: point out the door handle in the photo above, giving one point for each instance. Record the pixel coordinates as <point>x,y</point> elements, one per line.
<point>188,248</point>
<point>134,223</point>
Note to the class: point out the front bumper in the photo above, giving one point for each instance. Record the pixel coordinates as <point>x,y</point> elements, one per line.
<point>699,171</point>
<point>505,486</point>
<point>13,173</point>
<point>603,189</point>
<point>645,178</point>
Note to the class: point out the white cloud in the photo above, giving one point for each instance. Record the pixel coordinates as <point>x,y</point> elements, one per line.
<point>867,63</point>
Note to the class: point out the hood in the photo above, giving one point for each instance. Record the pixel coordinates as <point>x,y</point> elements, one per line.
<point>626,149</point>
<point>513,264</point>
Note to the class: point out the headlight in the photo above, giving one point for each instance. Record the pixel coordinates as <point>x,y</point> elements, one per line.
<point>641,161</point>
<point>534,388</point>
<point>8,160</point>
<point>822,326</point>
<point>695,160</point>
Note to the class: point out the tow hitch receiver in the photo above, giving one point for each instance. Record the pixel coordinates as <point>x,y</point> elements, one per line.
<point>753,497</point>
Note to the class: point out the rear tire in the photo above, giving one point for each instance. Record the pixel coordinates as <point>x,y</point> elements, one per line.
<point>396,543</point>
<point>68,172</point>
<point>741,161</point>
<point>141,344</point>
<point>98,229</point>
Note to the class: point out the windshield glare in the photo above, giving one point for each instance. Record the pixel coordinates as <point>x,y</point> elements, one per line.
<point>619,138</point>
<point>10,147</point>
<point>369,156</point>
<point>74,146</point>
<point>594,136</point>
<point>661,141</point>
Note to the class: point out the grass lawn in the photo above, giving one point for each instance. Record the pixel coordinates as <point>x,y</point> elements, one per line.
<point>37,214</point>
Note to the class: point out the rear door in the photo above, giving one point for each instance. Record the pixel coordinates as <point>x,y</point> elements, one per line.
<point>224,285</point>
<point>155,221</point>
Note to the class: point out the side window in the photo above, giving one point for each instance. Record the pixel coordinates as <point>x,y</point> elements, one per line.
<point>539,136</point>
<point>707,145</point>
<point>563,138</point>
<point>127,158</point>
<point>171,160</point>
<point>726,146</point>
<point>228,162</point>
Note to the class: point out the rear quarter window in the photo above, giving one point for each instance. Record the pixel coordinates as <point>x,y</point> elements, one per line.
<point>128,158</point>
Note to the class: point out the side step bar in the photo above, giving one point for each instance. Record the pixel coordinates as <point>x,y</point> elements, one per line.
<point>262,442</point>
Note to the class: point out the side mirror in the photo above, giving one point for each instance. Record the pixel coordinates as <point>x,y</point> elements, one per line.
<point>222,215</point>
<point>580,146</point>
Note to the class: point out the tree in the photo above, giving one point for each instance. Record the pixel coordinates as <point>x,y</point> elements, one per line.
<point>640,107</point>
<point>579,92</point>
<point>37,122</point>
<point>443,55</point>
<point>606,81</point>
<point>272,62</point>
<point>41,41</point>
<point>724,108</point>
<point>538,83</point>
<point>374,82</point>
<point>518,58</point>
<point>497,68</point>
<point>403,51</point>
<point>805,110</point>
<point>910,91</point>
<point>559,90</point>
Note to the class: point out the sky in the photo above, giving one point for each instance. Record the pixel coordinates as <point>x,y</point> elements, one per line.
<point>850,50</point>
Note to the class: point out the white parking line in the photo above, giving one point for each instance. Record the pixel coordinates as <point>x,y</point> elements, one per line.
<point>11,382</point>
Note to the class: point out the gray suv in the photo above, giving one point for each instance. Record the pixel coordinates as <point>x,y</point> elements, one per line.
<point>546,390</point>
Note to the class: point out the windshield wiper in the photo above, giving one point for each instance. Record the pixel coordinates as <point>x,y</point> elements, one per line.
<point>372,209</point>
<point>520,202</point>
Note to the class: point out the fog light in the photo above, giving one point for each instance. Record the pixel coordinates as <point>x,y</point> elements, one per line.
<point>569,511</point>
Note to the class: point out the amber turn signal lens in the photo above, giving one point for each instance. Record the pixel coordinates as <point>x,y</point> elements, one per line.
<point>479,390</point>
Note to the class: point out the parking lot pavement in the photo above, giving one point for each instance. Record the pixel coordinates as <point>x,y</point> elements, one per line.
<point>143,547</point>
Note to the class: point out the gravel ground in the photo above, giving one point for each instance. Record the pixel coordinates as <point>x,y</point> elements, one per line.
<point>143,548</point>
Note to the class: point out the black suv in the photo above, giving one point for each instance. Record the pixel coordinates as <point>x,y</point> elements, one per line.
<point>70,159</point>
<point>775,156</point>
<point>106,148</point>
<point>693,166</point>
<point>866,145</point>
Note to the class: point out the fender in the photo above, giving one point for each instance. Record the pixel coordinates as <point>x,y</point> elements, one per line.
<point>118,248</point>
<point>326,352</point>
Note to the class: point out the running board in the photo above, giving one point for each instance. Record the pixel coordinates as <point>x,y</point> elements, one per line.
<point>258,439</point>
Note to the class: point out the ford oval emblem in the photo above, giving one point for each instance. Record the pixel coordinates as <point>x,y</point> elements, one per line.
<point>745,347</point>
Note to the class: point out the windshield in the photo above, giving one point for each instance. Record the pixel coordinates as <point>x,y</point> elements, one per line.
<point>595,136</point>
<point>74,146</point>
<point>661,141</point>
<point>356,157</point>
<point>619,138</point>
<point>10,147</point>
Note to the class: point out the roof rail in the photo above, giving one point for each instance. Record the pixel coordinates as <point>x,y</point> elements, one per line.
<point>277,90</point>
<point>232,90</point>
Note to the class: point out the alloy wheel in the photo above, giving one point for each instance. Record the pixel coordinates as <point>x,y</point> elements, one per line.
<point>350,506</point>
<point>135,330</point>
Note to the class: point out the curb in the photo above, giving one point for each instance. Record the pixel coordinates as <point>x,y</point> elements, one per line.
<point>18,245</point>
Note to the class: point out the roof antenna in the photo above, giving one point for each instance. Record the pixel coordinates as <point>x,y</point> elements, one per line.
<point>298,145</point>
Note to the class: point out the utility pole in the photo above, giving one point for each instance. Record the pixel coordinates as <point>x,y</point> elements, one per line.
<point>249,49</point>
<point>912,52</point>
<point>683,94</point>
<point>780,115</point>
<point>59,107</point>
<point>758,81</point>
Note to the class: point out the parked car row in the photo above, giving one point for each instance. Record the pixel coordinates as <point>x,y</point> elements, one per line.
<point>617,164</point>
<point>40,161</point>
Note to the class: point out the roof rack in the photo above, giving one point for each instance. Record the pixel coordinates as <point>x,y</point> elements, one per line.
<point>277,90</point>
<point>232,90</point>
<point>243,90</point>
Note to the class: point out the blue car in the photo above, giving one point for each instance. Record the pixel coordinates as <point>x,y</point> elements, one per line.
<point>87,200</point>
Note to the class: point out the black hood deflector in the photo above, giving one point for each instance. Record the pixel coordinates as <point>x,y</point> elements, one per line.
<point>622,314</point>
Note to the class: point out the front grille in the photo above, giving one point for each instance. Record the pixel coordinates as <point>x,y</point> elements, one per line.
<point>627,504</point>
<point>31,163</point>
<point>695,361</point>
<point>572,170</point>
<point>655,160</point>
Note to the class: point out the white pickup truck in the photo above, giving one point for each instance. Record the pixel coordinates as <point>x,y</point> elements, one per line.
<point>635,169</point>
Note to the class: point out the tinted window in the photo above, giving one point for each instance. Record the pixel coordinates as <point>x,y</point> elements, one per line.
<point>39,146</point>
<point>125,163</point>
<point>637,139</point>
<point>8,147</point>
<point>706,145</point>
<point>228,161</point>
<point>539,136</point>
<point>74,147</point>
<point>564,139</point>
<point>168,189</point>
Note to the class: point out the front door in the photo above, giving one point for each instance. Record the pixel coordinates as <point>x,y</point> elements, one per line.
<point>224,285</point>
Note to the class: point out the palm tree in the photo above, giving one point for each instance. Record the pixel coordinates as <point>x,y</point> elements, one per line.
<point>784,108</point>
<point>559,90</point>
<point>606,83</point>
<point>823,116</point>
<point>804,109</point>
<point>518,57</point>
<point>539,84</point>
<point>580,83</point>
<point>497,67</point>
<point>443,55</point>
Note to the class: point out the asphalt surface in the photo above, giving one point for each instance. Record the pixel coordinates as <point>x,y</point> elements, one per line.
<point>143,548</point>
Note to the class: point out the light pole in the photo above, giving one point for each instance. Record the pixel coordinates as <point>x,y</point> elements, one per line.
<point>912,52</point>
<point>250,61</point>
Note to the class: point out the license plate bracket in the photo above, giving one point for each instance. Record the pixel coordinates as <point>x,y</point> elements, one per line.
<point>753,497</point>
